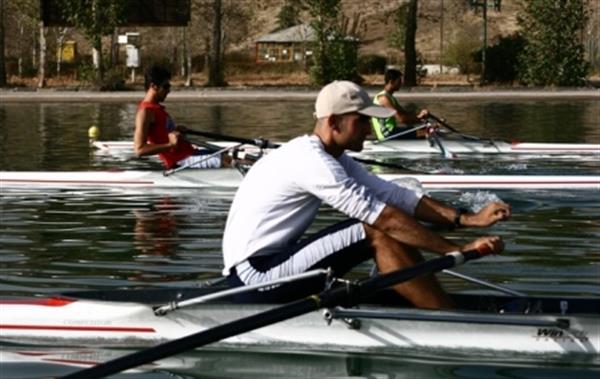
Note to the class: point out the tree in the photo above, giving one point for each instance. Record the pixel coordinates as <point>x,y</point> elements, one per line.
<point>462,48</point>
<point>403,37</point>
<point>335,55</point>
<point>215,70</point>
<point>410,51</point>
<point>553,51</point>
<point>97,18</point>
<point>289,14</point>
<point>3,81</point>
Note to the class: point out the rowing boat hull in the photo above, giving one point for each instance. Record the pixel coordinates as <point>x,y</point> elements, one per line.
<point>480,147</point>
<point>78,322</point>
<point>125,148</point>
<point>231,178</point>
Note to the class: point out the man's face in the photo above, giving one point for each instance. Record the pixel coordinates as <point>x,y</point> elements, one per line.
<point>163,90</point>
<point>397,83</point>
<point>353,129</point>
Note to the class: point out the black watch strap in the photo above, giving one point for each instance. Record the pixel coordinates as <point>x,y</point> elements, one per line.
<point>459,212</point>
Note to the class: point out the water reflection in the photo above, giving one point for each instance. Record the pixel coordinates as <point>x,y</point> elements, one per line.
<point>413,364</point>
<point>155,230</point>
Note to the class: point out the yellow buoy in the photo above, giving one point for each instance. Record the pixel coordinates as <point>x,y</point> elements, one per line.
<point>93,132</point>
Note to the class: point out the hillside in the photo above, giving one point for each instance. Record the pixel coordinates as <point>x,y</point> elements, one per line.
<point>377,22</point>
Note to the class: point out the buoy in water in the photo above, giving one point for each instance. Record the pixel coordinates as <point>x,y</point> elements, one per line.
<point>93,132</point>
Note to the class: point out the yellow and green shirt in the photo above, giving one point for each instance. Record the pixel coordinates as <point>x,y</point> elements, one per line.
<point>384,127</point>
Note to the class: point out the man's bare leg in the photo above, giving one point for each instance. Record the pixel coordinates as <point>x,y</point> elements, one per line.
<point>424,291</point>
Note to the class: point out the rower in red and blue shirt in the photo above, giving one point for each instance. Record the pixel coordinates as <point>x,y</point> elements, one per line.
<point>156,133</point>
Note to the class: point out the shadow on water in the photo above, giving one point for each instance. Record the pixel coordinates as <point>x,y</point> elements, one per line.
<point>22,363</point>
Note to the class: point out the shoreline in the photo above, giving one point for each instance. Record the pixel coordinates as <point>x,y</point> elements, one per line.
<point>291,94</point>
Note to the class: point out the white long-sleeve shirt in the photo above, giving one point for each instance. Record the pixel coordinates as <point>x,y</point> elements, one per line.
<point>281,194</point>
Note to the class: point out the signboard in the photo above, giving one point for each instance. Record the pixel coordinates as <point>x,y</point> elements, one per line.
<point>133,56</point>
<point>67,53</point>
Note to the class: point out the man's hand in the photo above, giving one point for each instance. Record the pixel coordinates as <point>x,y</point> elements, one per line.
<point>423,114</point>
<point>174,138</point>
<point>487,216</point>
<point>488,244</point>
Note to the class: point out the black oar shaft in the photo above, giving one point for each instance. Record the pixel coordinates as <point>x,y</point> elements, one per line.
<point>262,143</point>
<point>340,295</point>
<point>192,341</point>
<point>384,164</point>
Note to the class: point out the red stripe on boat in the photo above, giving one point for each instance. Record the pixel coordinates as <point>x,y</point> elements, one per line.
<point>46,302</point>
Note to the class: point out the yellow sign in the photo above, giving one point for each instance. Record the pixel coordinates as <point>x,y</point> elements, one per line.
<point>67,53</point>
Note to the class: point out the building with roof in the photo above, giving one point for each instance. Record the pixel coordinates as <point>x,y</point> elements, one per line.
<point>293,44</point>
<point>287,45</point>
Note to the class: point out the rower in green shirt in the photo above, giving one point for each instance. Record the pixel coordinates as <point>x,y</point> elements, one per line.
<point>402,120</point>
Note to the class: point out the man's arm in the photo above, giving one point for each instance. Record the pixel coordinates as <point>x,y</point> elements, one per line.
<point>143,119</point>
<point>402,116</point>
<point>405,229</point>
<point>434,211</point>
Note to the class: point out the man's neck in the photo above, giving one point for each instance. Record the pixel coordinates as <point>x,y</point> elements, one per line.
<point>151,97</point>
<point>329,144</point>
<point>389,88</point>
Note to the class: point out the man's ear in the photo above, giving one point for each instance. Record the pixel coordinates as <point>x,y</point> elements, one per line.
<point>333,122</point>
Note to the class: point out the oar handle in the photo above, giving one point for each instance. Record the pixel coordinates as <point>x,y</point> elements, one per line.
<point>259,142</point>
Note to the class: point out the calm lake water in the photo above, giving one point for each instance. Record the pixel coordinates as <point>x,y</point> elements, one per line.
<point>53,241</point>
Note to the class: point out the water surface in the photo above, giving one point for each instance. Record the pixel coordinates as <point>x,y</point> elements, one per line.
<point>58,240</point>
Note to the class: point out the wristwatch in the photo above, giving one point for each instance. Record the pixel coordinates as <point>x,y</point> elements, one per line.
<point>459,212</point>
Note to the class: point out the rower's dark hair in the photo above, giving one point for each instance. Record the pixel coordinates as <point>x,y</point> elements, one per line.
<point>392,74</point>
<point>156,74</point>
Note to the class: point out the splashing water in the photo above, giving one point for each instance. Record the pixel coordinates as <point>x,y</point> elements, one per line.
<point>517,167</point>
<point>475,201</point>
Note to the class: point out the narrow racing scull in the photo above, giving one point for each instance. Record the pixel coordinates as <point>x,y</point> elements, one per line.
<point>420,146</point>
<point>484,323</point>
<point>231,178</point>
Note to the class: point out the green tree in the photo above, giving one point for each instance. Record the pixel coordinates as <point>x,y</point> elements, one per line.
<point>3,81</point>
<point>289,14</point>
<point>462,48</point>
<point>96,18</point>
<point>553,51</point>
<point>335,55</point>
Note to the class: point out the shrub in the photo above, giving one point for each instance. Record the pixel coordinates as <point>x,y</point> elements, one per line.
<point>371,64</point>
<point>501,62</point>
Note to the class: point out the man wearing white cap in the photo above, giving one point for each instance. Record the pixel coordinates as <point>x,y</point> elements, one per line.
<point>279,198</point>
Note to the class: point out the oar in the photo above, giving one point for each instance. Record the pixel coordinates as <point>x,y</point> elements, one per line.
<point>394,136</point>
<point>484,283</point>
<point>435,138</point>
<point>386,164</point>
<point>259,142</point>
<point>347,295</point>
<point>456,131</point>
<point>262,143</point>
<point>207,157</point>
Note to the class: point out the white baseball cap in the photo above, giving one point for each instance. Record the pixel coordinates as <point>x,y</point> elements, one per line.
<point>343,96</point>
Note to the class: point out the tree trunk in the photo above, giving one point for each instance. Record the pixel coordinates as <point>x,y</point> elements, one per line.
<point>42,65</point>
<point>114,49</point>
<point>187,57</point>
<point>3,81</point>
<point>215,71</point>
<point>410,52</point>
